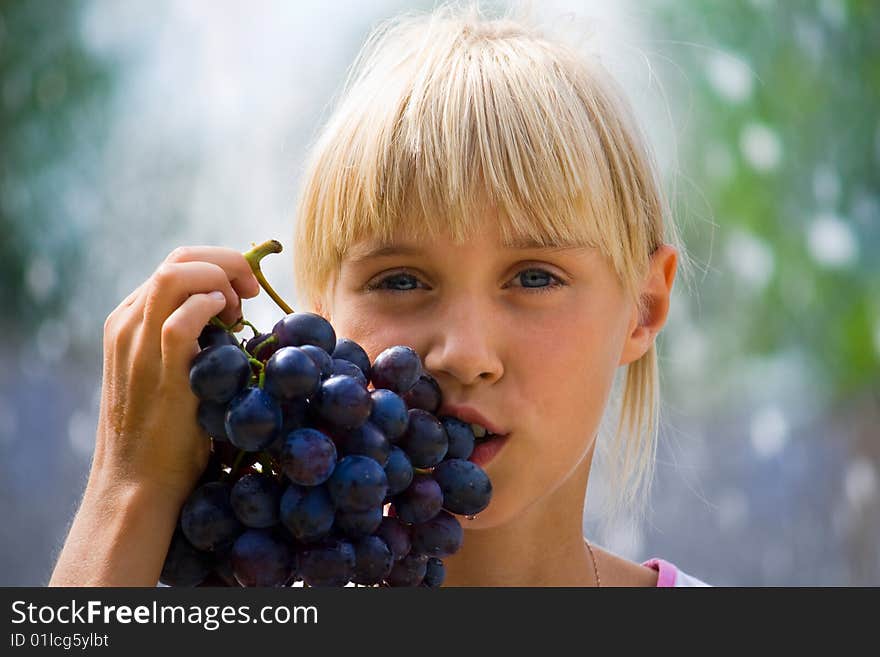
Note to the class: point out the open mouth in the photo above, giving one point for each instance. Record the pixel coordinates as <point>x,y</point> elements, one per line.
<point>487,447</point>
<point>481,434</point>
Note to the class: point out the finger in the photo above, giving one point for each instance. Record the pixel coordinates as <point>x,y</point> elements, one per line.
<point>130,299</point>
<point>172,283</point>
<point>237,269</point>
<point>180,332</point>
<point>117,323</point>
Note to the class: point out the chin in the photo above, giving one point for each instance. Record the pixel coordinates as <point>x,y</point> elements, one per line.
<point>498,513</point>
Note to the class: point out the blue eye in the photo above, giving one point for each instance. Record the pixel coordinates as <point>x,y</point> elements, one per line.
<point>396,283</point>
<point>538,280</point>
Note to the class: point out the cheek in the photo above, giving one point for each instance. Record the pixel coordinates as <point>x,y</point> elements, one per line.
<point>562,379</point>
<point>567,368</point>
<point>370,330</point>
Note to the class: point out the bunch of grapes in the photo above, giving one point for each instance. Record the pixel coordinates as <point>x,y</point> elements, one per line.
<point>325,468</point>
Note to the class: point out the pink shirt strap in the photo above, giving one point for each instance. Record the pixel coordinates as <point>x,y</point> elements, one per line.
<point>668,572</point>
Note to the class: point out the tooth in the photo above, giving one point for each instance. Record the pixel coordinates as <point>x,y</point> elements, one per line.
<point>479,431</point>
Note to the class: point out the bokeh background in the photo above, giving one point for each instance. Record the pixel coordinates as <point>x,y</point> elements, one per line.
<point>129,128</point>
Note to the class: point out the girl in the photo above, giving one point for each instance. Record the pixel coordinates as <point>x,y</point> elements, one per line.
<point>482,194</point>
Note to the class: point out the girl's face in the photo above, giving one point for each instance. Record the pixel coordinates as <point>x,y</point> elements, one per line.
<point>530,337</point>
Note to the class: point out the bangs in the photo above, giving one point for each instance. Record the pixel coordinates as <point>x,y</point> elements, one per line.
<point>445,118</point>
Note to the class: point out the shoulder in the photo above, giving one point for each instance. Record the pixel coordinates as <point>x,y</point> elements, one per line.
<point>668,575</point>
<point>614,570</point>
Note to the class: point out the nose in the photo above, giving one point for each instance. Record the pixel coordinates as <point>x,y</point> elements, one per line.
<point>465,344</point>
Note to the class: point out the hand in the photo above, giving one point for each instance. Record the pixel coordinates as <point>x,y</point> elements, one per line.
<point>147,430</point>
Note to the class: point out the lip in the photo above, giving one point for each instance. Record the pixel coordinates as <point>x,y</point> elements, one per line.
<point>470,415</point>
<point>486,450</point>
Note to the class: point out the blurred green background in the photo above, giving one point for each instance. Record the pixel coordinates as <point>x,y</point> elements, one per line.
<point>129,128</point>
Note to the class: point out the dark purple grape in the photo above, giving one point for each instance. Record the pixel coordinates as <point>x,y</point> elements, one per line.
<point>219,373</point>
<point>435,573</point>
<point>358,483</point>
<point>399,471</point>
<point>184,565</point>
<point>425,394</point>
<point>261,559</point>
<point>211,417</point>
<point>425,441</point>
<point>373,561</point>
<point>253,420</point>
<point>441,536</point>
<point>255,498</point>
<point>207,518</point>
<point>214,580</point>
<point>396,369</point>
<point>307,457</point>
<point>291,373</point>
<point>214,336</point>
<point>258,348</point>
<point>396,535</point>
<point>294,415</point>
<point>356,524</point>
<point>329,563</point>
<point>351,351</point>
<point>307,512</point>
<point>320,358</point>
<point>343,402</point>
<point>347,368</point>
<point>297,329</point>
<point>421,501</point>
<point>461,437</point>
<point>389,413</point>
<point>223,565</point>
<point>409,571</point>
<point>466,487</point>
<point>367,440</point>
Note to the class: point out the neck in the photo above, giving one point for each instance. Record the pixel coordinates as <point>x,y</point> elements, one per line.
<point>542,546</point>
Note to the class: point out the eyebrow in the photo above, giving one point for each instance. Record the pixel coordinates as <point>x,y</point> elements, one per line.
<point>385,250</point>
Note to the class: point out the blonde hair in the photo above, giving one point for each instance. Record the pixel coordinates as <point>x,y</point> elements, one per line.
<point>444,112</point>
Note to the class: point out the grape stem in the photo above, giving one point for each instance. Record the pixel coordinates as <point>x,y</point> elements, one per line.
<point>229,329</point>
<point>237,462</point>
<point>247,323</point>
<point>257,253</point>
<point>259,364</point>
<point>270,340</point>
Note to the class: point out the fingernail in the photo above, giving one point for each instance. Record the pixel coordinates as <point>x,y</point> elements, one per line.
<point>217,296</point>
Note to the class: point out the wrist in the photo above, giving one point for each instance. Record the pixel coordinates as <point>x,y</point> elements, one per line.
<point>119,537</point>
<point>124,495</point>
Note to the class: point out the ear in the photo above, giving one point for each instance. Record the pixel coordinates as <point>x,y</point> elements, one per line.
<point>655,294</point>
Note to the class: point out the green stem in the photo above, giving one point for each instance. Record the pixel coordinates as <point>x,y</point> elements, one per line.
<point>236,463</point>
<point>238,459</point>
<point>270,340</point>
<point>247,323</point>
<point>229,329</point>
<point>262,368</point>
<point>253,257</point>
